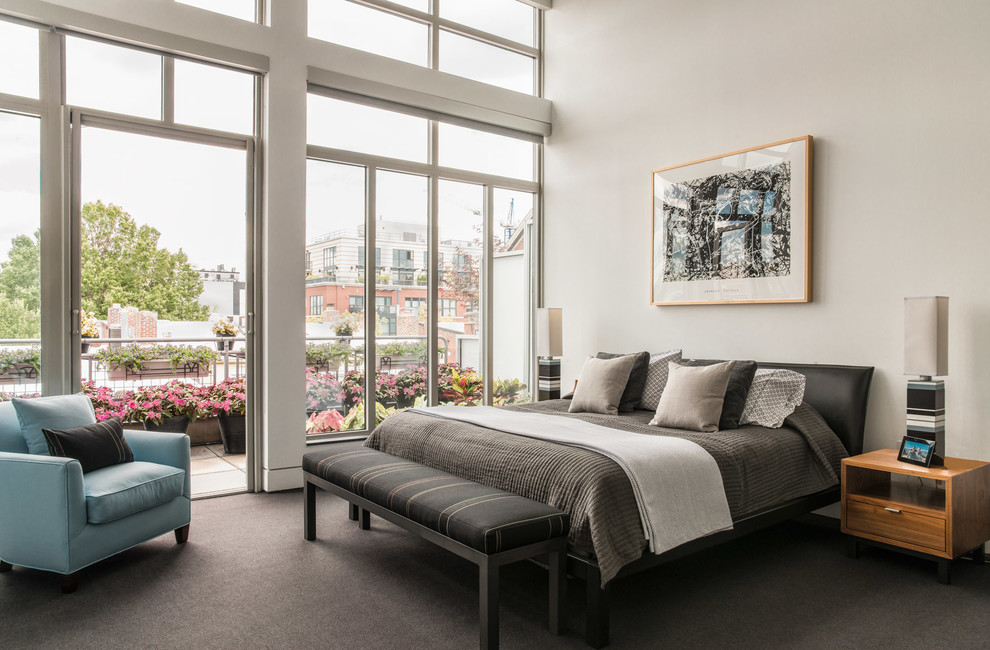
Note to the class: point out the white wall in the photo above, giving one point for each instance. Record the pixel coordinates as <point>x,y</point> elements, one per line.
<point>895,94</point>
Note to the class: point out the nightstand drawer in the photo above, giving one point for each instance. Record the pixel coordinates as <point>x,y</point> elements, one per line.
<point>897,526</point>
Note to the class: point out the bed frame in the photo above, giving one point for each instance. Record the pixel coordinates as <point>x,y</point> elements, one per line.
<point>840,394</point>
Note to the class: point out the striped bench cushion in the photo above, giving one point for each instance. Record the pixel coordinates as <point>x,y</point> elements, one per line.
<point>482,517</point>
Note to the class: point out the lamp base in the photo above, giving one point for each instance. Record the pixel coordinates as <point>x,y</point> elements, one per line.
<point>549,387</point>
<point>926,414</point>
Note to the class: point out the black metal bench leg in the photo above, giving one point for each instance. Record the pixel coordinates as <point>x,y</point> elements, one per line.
<point>352,512</point>
<point>558,590</point>
<point>488,604</point>
<point>364,519</point>
<point>596,610</point>
<point>309,508</point>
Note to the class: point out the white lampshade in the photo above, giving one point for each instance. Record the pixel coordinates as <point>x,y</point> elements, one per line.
<point>549,340</point>
<point>926,336</point>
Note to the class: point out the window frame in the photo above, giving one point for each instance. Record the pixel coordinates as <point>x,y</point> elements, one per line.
<point>436,24</point>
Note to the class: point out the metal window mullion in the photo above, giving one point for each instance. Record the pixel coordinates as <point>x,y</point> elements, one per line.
<point>370,314</point>
<point>23,105</point>
<point>56,303</point>
<point>487,299</point>
<point>155,128</point>
<point>168,90</point>
<point>485,37</point>
<point>73,243</point>
<point>252,385</point>
<point>329,154</point>
<point>433,274</point>
<point>435,23</point>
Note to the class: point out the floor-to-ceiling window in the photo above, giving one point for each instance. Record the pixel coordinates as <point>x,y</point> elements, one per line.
<point>20,212</point>
<point>149,262</point>
<point>449,209</point>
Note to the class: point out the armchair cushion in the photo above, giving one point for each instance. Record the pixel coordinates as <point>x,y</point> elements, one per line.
<point>121,490</point>
<point>55,412</point>
<point>95,446</point>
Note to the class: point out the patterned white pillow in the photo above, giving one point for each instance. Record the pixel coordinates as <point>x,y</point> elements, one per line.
<point>774,395</point>
<point>656,378</point>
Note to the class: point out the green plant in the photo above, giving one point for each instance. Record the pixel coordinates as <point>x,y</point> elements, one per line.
<point>157,403</point>
<point>414,349</point>
<point>331,353</point>
<point>90,326</point>
<point>324,421</point>
<point>229,397</point>
<point>354,419</point>
<point>508,391</point>
<point>346,323</point>
<point>225,327</point>
<point>134,356</point>
<point>11,358</point>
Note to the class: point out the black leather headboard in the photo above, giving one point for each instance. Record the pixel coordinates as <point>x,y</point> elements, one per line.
<point>840,394</point>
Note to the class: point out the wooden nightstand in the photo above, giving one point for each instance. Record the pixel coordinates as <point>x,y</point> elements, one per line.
<point>941,522</point>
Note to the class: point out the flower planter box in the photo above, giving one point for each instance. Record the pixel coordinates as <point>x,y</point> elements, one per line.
<point>157,368</point>
<point>200,432</point>
<point>388,362</point>
<point>20,373</point>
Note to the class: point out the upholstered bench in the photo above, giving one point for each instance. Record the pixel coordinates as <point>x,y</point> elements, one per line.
<point>487,526</point>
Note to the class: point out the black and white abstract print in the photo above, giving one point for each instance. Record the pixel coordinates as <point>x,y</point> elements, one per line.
<point>733,225</point>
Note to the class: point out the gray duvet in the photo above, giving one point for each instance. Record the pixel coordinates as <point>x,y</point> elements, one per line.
<point>760,468</point>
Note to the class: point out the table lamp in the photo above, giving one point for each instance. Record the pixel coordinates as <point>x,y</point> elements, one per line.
<point>549,347</point>
<point>926,353</point>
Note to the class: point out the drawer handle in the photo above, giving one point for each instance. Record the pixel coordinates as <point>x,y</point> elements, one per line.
<point>894,510</point>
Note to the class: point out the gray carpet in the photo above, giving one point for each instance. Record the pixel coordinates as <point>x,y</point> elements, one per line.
<point>247,579</point>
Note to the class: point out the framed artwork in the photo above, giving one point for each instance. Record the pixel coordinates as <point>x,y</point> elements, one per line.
<point>734,228</point>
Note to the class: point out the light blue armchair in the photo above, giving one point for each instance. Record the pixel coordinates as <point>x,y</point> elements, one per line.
<point>55,518</point>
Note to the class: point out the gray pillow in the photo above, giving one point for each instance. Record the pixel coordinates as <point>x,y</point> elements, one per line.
<point>693,397</point>
<point>740,380</point>
<point>633,392</point>
<point>600,385</point>
<point>656,378</point>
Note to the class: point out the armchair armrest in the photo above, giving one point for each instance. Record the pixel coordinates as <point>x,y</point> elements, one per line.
<point>161,447</point>
<point>42,499</point>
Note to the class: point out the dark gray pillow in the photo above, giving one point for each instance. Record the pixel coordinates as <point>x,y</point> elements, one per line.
<point>95,445</point>
<point>600,385</point>
<point>740,380</point>
<point>633,391</point>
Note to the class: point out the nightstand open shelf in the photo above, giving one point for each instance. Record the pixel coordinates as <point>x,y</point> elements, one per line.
<point>883,503</point>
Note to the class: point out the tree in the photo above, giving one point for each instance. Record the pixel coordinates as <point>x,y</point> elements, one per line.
<point>20,289</point>
<point>122,263</point>
<point>20,275</point>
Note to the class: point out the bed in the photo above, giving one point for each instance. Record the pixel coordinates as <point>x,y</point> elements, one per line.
<point>769,475</point>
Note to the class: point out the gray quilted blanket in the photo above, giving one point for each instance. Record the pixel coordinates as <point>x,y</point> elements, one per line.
<point>760,468</point>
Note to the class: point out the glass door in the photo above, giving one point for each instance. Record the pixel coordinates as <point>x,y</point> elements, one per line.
<point>162,223</point>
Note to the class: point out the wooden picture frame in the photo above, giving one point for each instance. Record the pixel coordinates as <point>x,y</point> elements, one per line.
<point>734,228</point>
